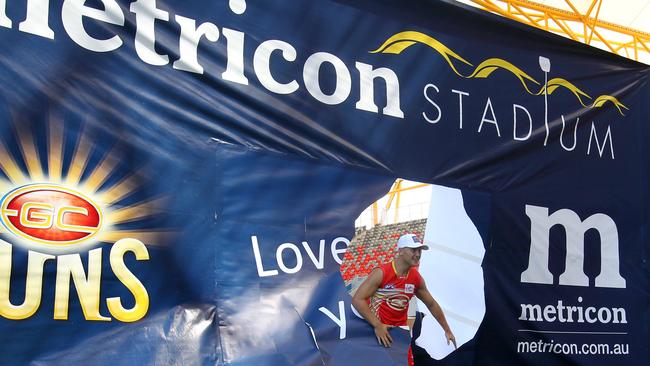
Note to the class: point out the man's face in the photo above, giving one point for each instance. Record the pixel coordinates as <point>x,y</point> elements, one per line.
<point>412,256</point>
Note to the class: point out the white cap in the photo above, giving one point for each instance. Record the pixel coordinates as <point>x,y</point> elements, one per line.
<point>410,241</point>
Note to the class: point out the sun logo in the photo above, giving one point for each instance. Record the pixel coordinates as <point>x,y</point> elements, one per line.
<point>63,209</point>
<point>65,205</point>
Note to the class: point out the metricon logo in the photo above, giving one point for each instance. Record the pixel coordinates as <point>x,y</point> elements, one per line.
<point>538,264</point>
<point>50,214</point>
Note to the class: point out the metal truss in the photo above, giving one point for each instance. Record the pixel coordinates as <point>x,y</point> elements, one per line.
<point>393,198</point>
<point>586,28</point>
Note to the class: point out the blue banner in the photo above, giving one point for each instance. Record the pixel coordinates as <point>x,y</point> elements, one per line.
<point>179,181</point>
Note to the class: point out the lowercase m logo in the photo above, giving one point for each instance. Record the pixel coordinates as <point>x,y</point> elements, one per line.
<point>538,268</point>
<point>50,214</point>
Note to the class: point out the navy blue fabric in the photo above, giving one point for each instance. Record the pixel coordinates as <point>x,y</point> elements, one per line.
<point>236,167</point>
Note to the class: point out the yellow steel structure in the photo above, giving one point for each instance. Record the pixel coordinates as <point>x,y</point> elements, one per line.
<point>586,28</point>
<point>393,196</point>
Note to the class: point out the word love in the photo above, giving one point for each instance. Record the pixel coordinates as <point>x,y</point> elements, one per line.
<point>289,257</point>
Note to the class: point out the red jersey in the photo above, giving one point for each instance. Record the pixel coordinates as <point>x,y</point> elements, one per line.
<point>391,301</point>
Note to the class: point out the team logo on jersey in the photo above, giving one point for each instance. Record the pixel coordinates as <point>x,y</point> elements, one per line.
<point>409,288</point>
<point>398,302</point>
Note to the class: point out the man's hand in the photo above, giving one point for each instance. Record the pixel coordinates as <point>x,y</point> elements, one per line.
<point>450,337</point>
<point>383,337</point>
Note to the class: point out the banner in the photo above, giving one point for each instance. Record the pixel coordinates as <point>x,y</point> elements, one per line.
<point>179,182</point>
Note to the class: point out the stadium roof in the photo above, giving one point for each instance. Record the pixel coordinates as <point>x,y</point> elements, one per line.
<point>618,26</point>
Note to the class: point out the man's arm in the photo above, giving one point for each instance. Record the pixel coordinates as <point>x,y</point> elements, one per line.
<point>435,309</point>
<point>360,302</point>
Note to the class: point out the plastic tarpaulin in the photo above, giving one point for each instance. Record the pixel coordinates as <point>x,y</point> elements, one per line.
<point>180,179</point>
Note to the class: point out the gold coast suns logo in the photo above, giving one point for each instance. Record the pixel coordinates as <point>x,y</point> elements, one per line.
<point>65,206</point>
<point>398,302</point>
<point>50,214</point>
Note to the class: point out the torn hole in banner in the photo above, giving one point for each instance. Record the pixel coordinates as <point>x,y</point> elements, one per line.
<point>451,267</point>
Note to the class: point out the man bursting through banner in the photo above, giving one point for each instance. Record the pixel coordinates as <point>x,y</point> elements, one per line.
<point>383,298</point>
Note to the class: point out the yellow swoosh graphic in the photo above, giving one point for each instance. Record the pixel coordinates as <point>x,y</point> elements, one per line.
<point>490,65</point>
<point>600,101</point>
<point>555,83</point>
<point>399,42</point>
<point>403,40</point>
